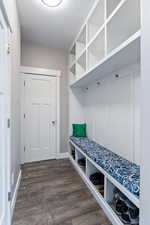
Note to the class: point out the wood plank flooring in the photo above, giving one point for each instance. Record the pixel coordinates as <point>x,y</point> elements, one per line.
<point>52,193</point>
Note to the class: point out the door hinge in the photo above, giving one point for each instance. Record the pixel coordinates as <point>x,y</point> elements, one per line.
<point>8,123</point>
<point>24,83</point>
<point>9,196</point>
<point>8,49</point>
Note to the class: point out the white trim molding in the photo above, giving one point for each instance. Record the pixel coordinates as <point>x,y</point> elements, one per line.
<point>39,71</point>
<point>14,198</point>
<point>63,155</point>
<point>4,9</point>
<point>58,118</point>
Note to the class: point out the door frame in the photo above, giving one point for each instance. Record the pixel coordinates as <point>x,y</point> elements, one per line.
<point>5,91</point>
<point>25,71</point>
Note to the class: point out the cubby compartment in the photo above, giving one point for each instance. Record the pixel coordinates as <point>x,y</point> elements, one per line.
<point>111,6</point>
<point>110,34</point>
<point>125,23</point>
<point>72,73</point>
<point>96,177</point>
<point>72,151</point>
<point>73,69</point>
<point>121,205</point>
<point>96,20</point>
<point>81,65</point>
<point>81,42</point>
<point>81,161</point>
<point>72,55</point>
<point>96,50</point>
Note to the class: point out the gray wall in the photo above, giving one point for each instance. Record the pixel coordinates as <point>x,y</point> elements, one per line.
<point>40,56</point>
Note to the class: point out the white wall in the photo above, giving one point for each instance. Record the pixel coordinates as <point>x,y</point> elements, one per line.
<point>76,113</point>
<point>15,104</point>
<point>112,112</point>
<point>145,114</point>
<point>41,56</point>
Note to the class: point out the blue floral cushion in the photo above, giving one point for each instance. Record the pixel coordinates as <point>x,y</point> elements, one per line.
<point>124,171</point>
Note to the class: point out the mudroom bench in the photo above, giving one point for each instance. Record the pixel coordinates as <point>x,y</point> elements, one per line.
<point>118,173</point>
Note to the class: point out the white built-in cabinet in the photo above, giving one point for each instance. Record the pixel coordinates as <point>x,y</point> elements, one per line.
<point>108,40</point>
<point>104,197</point>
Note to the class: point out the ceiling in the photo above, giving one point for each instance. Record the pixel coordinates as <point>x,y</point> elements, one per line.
<point>53,27</point>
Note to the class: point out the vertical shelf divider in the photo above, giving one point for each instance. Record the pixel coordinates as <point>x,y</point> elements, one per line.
<point>109,190</point>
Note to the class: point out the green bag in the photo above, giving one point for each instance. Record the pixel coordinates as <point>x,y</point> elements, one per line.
<point>79,130</point>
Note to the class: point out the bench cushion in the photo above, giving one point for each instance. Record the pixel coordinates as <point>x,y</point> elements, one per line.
<point>124,171</point>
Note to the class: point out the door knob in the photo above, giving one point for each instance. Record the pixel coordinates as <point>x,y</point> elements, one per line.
<point>53,122</point>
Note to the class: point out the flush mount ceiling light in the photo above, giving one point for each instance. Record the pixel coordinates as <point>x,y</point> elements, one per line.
<point>52,3</point>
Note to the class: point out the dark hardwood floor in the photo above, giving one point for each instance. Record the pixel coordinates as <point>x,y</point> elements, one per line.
<point>52,193</point>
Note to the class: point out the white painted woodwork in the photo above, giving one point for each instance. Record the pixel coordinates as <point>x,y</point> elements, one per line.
<point>4,4</point>
<point>110,105</point>
<point>5,104</point>
<point>109,190</point>
<point>81,65</point>
<point>40,71</point>
<point>112,41</point>
<point>132,197</point>
<point>96,50</point>
<point>145,112</point>
<point>126,54</point>
<point>72,55</point>
<point>109,116</point>
<point>76,114</point>
<point>81,42</point>
<point>109,185</point>
<point>2,163</point>
<point>96,19</point>
<point>90,169</point>
<point>78,156</point>
<point>111,5</point>
<point>111,110</point>
<point>121,27</point>
<point>40,118</point>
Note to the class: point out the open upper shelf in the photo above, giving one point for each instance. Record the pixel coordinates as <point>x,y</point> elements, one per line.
<point>73,69</point>
<point>125,54</point>
<point>72,73</point>
<point>111,5</point>
<point>96,50</point>
<point>81,65</point>
<point>123,24</point>
<point>81,42</point>
<point>96,20</point>
<point>72,55</point>
<point>108,40</point>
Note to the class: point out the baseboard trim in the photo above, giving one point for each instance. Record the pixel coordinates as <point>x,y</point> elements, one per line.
<point>14,198</point>
<point>63,155</point>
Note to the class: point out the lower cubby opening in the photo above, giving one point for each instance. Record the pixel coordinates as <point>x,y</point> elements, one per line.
<point>72,151</point>
<point>81,160</point>
<point>96,177</point>
<point>127,212</point>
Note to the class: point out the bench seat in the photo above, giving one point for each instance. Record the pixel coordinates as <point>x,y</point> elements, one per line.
<point>124,171</point>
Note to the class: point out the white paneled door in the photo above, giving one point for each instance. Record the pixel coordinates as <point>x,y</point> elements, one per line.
<point>40,111</point>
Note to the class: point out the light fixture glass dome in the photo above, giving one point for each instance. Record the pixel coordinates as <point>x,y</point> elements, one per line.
<point>52,3</point>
